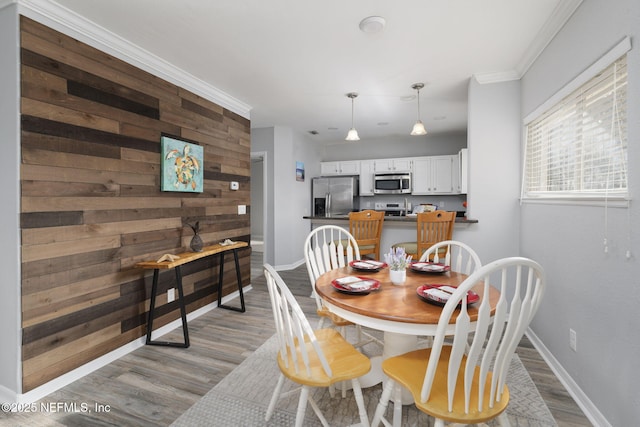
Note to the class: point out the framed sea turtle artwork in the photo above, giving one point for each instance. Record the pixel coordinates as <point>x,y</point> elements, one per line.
<point>181,166</point>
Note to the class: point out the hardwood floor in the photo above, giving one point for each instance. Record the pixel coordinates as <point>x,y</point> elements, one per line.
<point>152,386</point>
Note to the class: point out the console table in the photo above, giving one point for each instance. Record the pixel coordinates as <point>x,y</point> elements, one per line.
<point>184,258</point>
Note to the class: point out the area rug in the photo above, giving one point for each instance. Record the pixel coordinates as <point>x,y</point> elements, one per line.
<point>242,397</point>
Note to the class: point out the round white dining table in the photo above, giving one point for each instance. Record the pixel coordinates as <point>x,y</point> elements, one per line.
<point>397,310</point>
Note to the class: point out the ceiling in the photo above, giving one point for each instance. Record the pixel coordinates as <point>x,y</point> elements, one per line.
<point>294,61</point>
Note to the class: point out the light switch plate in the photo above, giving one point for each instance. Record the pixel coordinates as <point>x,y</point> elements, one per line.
<point>242,209</point>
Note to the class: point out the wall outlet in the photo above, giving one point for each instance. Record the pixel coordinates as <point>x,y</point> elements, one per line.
<point>171,295</point>
<point>573,338</point>
<point>234,185</point>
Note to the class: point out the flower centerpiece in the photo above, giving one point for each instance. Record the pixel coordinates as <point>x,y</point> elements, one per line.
<point>398,261</point>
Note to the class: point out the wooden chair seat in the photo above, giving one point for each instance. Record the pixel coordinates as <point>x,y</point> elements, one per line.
<point>409,370</point>
<point>352,363</point>
<point>410,248</point>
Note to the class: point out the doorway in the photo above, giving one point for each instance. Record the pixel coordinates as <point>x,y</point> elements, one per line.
<point>258,214</point>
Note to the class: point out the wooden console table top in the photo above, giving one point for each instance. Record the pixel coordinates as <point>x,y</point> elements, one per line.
<point>186,257</point>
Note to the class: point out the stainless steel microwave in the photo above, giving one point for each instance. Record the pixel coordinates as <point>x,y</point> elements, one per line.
<point>392,183</point>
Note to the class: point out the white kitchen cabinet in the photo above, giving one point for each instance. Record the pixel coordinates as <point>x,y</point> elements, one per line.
<point>435,175</point>
<point>345,167</point>
<point>393,165</point>
<point>462,174</point>
<point>366,178</point>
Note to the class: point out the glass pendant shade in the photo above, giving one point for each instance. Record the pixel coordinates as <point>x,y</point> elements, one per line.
<point>418,129</point>
<point>352,135</point>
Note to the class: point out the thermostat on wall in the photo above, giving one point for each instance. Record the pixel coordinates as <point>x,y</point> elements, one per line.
<point>234,185</point>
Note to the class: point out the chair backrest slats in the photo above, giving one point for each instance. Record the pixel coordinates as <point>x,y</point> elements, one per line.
<point>521,283</point>
<point>328,247</point>
<point>366,227</point>
<point>292,327</point>
<point>458,255</point>
<point>433,227</point>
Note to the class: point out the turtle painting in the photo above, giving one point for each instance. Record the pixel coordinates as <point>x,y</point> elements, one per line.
<point>181,166</point>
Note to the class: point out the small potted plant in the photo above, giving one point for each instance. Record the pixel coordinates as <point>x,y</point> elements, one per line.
<point>398,261</point>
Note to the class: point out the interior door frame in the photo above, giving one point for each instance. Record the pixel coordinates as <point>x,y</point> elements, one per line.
<point>263,155</point>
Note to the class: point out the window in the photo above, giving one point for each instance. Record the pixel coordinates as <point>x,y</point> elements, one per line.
<point>577,147</point>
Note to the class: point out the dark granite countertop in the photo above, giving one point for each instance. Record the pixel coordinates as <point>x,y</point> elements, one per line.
<point>407,219</point>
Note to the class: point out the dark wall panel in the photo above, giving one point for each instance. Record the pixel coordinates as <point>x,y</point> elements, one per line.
<point>92,205</point>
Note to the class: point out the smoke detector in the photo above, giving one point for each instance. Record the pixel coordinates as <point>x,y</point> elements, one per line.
<point>372,24</point>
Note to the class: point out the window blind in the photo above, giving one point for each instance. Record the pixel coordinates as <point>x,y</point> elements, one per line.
<point>578,147</point>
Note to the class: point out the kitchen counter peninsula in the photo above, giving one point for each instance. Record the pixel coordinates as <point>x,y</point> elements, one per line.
<point>411,219</point>
<point>396,229</point>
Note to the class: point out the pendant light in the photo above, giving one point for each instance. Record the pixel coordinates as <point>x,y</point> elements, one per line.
<point>418,128</point>
<point>353,133</point>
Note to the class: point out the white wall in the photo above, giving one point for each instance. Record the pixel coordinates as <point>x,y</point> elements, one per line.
<point>494,168</point>
<point>10,383</point>
<point>288,200</point>
<point>595,293</point>
<point>400,146</point>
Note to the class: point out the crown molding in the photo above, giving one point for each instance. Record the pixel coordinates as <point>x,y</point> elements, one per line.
<point>74,25</point>
<point>563,11</point>
<point>502,76</point>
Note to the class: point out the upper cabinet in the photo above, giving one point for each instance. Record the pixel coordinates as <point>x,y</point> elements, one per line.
<point>430,174</point>
<point>462,174</point>
<point>366,178</point>
<point>435,175</point>
<point>345,167</point>
<point>392,165</point>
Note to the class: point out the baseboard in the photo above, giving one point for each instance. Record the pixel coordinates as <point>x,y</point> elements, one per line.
<point>583,401</point>
<point>285,267</point>
<point>68,378</point>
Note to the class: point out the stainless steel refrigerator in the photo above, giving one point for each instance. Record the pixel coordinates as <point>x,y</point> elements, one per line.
<point>332,196</point>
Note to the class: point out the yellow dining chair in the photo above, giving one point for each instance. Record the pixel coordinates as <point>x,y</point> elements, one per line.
<point>431,227</point>
<point>464,383</point>
<point>310,358</point>
<point>366,227</point>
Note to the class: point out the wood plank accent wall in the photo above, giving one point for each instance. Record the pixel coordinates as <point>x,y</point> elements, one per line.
<point>92,205</point>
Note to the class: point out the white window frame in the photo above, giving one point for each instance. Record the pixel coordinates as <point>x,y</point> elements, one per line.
<point>614,198</point>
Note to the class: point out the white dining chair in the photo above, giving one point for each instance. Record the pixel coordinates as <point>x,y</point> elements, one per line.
<point>459,256</point>
<point>319,358</point>
<point>467,384</point>
<point>326,248</point>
